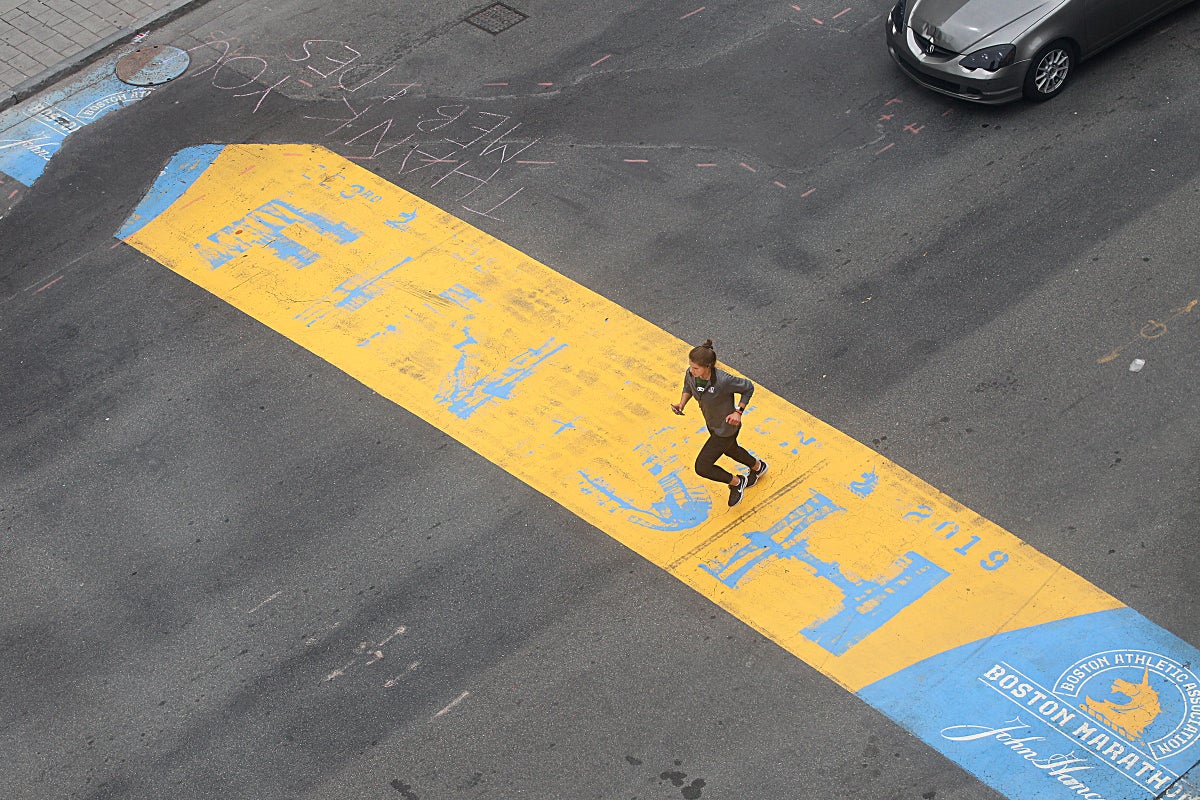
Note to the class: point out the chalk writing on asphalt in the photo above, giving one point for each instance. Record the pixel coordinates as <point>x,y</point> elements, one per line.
<point>464,154</point>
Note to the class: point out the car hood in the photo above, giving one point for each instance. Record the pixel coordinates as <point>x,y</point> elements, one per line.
<point>963,25</point>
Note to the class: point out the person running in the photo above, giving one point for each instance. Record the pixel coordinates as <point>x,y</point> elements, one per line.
<point>714,391</point>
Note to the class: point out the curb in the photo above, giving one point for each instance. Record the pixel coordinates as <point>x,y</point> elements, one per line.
<point>83,58</point>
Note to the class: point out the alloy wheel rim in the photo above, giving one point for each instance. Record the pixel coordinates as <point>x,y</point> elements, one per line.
<point>1052,71</point>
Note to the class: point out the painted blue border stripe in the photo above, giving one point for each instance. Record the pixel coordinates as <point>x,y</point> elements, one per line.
<point>1104,706</point>
<point>175,179</point>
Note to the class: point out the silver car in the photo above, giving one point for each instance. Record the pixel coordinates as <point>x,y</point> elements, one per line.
<point>994,51</point>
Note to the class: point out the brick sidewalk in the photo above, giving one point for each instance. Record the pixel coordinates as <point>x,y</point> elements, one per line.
<point>41,39</point>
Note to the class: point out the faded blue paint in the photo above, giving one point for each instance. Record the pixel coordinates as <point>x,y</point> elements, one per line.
<point>175,179</point>
<point>264,227</point>
<point>681,508</point>
<point>460,295</point>
<point>466,396</point>
<point>764,545</point>
<point>387,329</point>
<point>32,133</point>
<point>350,295</point>
<point>569,425</point>
<point>361,289</point>
<point>866,484</point>
<point>401,223</point>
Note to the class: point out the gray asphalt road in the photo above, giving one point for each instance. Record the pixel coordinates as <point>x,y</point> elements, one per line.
<point>208,532</point>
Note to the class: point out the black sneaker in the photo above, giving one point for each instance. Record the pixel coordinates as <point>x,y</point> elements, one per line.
<point>735,492</point>
<point>755,474</point>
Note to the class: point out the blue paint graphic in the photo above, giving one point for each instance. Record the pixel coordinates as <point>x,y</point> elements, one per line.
<point>176,178</point>
<point>769,427</point>
<point>568,425</point>
<point>466,396</point>
<point>867,604</point>
<point>460,295</point>
<point>32,133</point>
<point>681,508</point>
<point>764,545</point>
<point>352,294</point>
<point>359,290</point>
<point>401,223</point>
<point>386,330</point>
<point>865,485</point>
<point>1101,705</point>
<point>264,227</point>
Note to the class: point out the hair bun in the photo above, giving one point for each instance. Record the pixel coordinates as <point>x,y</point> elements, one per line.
<point>708,343</point>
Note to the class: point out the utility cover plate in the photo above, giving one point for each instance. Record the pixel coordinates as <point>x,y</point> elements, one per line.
<point>152,65</point>
<point>496,18</point>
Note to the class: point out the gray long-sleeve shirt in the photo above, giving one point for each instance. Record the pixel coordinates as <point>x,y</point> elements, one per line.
<point>716,401</point>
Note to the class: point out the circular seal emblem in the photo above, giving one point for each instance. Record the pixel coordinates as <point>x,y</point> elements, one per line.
<point>1147,698</point>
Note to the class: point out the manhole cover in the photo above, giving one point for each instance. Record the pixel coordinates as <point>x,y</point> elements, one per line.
<point>152,65</point>
<point>496,18</point>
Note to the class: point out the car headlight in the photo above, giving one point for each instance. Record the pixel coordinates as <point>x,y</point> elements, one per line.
<point>898,16</point>
<point>990,58</point>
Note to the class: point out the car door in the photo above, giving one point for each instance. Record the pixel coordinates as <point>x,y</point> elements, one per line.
<point>1109,20</point>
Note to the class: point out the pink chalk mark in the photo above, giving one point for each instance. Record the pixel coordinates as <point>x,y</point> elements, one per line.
<point>194,200</point>
<point>306,83</point>
<point>535,162</point>
<point>48,285</point>
<point>886,116</point>
<point>405,85</point>
<point>601,60</point>
<point>293,155</point>
<point>545,84</point>
<point>798,8</point>
<point>806,194</point>
<point>893,100</point>
<point>843,11</point>
<point>947,112</point>
<point>637,161</point>
<point>247,169</point>
<point>697,11</point>
<point>706,165</point>
<point>780,185</point>
<point>495,84</point>
<point>913,128</point>
<point>744,165</point>
<point>889,147</point>
<point>814,19</point>
<point>13,193</point>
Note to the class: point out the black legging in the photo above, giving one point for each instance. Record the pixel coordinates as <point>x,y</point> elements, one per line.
<point>718,446</point>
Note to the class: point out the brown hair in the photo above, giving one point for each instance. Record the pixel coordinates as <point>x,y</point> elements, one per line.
<point>704,355</point>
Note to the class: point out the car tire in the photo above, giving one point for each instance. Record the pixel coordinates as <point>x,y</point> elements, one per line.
<point>1049,71</point>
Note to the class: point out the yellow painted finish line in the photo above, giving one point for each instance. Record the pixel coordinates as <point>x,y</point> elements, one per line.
<point>845,559</point>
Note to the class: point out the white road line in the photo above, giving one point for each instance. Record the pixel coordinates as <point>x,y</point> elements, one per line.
<point>264,602</point>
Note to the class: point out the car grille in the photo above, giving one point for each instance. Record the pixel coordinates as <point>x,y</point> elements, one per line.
<point>931,80</point>
<point>929,48</point>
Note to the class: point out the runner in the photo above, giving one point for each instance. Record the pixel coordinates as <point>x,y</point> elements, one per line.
<point>714,391</point>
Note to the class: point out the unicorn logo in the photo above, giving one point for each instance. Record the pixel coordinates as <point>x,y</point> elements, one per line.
<point>1133,715</point>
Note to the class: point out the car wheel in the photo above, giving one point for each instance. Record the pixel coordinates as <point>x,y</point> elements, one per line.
<point>1049,71</point>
